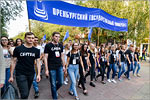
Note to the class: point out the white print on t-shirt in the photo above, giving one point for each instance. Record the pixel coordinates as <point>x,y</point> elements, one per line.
<point>57,53</point>
<point>55,48</point>
<point>74,61</point>
<point>114,56</point>
<point>103,58</point>
<point>27,54</point>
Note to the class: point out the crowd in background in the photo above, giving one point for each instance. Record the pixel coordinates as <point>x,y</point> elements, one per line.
<point>112,62</point>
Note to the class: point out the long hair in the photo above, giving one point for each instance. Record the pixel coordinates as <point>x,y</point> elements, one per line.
<point>136,49</point>
<point>102,52</point>
<point>83,51</point>
<point>17,40</point>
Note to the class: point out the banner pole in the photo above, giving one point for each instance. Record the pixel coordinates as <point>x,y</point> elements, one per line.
<point>28,19</point>
<point>29,25</point>
<point>98,36</point>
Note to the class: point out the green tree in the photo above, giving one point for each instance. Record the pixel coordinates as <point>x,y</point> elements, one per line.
<point>9,10</point>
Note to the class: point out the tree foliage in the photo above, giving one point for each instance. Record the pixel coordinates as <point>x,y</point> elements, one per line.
<point>9,9</point>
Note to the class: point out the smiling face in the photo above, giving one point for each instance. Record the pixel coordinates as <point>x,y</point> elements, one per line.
<point>4,41</point>
<point>76,46</point>
<point>19,42</point>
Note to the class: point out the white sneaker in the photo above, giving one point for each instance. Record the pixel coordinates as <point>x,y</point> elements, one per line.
<point>113,81</point>
<point>109,80</point>
<point>65,83</point>
<point>66,79</point>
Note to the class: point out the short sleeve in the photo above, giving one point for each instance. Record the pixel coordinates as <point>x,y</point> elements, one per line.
<point>68,55</point>
<point>119,52</point>
<point>61,48</point>
<point>46,48</point>
<point>37,54</point>
<point>15,52</point>
<point>89,51</point>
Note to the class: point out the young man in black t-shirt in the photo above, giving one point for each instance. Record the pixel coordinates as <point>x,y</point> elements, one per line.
<point>23,61</point>
<point>129,57</point>
<point>54,63</point>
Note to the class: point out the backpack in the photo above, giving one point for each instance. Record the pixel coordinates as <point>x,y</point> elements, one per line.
<point>10,93</point>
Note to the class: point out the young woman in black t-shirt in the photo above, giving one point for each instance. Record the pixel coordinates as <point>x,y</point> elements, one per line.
<point>121,62</point>
<point>91,63</point>
<point>84,55</point>
<point>102,62</point>
<point>111,61</point>
<point>136,62</point>
<point>73,60</point>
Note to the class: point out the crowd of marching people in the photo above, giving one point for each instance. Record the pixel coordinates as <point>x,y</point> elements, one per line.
<point>71,62</point>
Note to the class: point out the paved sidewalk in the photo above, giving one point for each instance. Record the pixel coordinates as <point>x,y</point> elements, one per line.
<point>134,89</point>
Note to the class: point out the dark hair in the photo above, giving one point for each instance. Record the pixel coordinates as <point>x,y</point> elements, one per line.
<point>17,40</point>
<point>4,37</point>
<point>28,33</point>
<point>83,51</point>
<point>136,49</point>
<point>10,40</point>
<point>101,51</point>
<point>35,37</point>
<point>9,43</point>
<point>55,33</point>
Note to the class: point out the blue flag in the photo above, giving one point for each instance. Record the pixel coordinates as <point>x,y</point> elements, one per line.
<point>90,34</point>
<point>66,36</point>
<point>63,13</point>
<point>44,37</point>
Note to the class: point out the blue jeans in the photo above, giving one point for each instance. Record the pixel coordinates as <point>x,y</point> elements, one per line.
<point>122,67</point>
<point>136,64</point>
<point>73,71</point>
<point>7,76</point>
<point>56,80</point>
<point>132,66</point>
<point>35,84</point>
<point>143,55</point>
<point>128,70</point>
<point>113,67</point>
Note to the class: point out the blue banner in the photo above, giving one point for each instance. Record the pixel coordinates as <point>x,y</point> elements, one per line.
<point>62,13</point>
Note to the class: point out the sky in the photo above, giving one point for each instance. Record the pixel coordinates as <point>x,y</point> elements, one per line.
<point>21,23</point>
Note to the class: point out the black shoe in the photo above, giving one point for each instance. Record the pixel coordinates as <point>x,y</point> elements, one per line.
<point>71,93</point>
<point>36,95</point>
<point>103,82</point>
<point>92,84</point>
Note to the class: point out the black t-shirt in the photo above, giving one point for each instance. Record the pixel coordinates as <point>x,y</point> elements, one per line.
<point>54,55</point>
<point>113,57</point>
<point>91,58</point>
<point>137,55</point>
<point>84,58</point>
<point>102,58</point>
<point>122,56</point>
<point>25,59</point>
<point>74,58</point>
<point>129,53</point>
